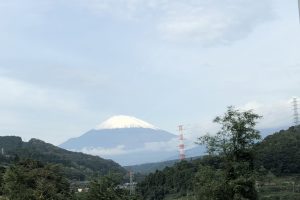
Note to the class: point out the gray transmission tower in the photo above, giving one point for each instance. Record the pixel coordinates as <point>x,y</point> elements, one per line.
<point>132,186</point>
<point>296,111</point>
<point>299,8</point>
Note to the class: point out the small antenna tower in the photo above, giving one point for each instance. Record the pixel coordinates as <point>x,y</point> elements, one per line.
<point>299,7</point>
<point>131,184</point>
<point>296,113</point>
<point>181,143</point>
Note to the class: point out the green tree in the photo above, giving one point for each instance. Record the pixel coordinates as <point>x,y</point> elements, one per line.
<point>31,180</point>
<point>234,144</point>
<point>172,181</point>
<point>209,183</point>
<point>107,188</point>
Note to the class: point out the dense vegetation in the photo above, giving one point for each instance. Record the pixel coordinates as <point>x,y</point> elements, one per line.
<point>33,180</point>
<point>237,168</point>
<point>270,187</point>
<point>172,180</point>
<point>230,178</point>
<point>76,166</point>
<point>280,152</point>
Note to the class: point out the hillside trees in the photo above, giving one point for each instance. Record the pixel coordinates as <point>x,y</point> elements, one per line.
<point>2,171</point>
<point>105,188</point>
<point>32,180</point>
<point>280,152</point>
<point>108,188</point>
<point>234,144</point>
<point>209,183</point>
<point>77,166</point>
<point>176,180</point>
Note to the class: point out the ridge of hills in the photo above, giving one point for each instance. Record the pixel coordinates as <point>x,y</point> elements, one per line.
<point>277,167</point>
<point>77,166</point>
<point>278,152</point>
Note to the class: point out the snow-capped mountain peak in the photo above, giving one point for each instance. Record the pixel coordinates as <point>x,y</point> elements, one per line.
<point>122,121</point>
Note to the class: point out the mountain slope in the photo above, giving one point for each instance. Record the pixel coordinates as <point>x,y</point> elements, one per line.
<point>127,140</point>
<point>76,165</point>
<point>109,138</point>
<point>125,145</point>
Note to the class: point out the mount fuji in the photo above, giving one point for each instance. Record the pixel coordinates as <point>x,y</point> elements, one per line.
<point>126,140</point>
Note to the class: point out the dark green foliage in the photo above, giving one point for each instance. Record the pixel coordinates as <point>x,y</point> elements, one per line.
<point>284,187</point>
<point>77,166</point>
<point>218,177</point>
<point>106,188</point>
<point>2,171</point>
<point>280,152</point>
<point>209,184</point>
<point>10,143</point>
<point>172,180</point>
<point>31,180</point>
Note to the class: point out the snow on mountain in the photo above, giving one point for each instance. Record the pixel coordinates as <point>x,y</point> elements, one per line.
<point>122,121</point>
<point>127,140</point>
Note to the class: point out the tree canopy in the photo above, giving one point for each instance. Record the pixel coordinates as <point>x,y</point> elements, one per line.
<point>234,144</point>
<point>32,180</point>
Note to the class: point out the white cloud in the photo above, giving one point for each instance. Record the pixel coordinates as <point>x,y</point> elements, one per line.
<point>275,114</point>
<point>32,111</point>
<point>171,145</point>
<point>168,146</point>
<point>207,22</point>
<point>19,94</point>
<point>212,22</point>
<point>104,152</point>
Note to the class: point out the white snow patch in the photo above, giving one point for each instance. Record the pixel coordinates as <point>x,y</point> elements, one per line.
<point>122,121</point>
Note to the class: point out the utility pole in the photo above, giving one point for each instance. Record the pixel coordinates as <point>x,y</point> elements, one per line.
<point>181,143</point>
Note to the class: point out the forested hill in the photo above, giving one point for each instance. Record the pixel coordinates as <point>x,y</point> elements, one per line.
<point>280,152</point>
<point>77,166</point>
<point>151,167</point>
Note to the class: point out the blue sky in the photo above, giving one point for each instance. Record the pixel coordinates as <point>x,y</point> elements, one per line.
<point>65,65</point>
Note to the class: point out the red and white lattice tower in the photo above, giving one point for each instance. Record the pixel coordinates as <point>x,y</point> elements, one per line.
<point>181,143</point>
